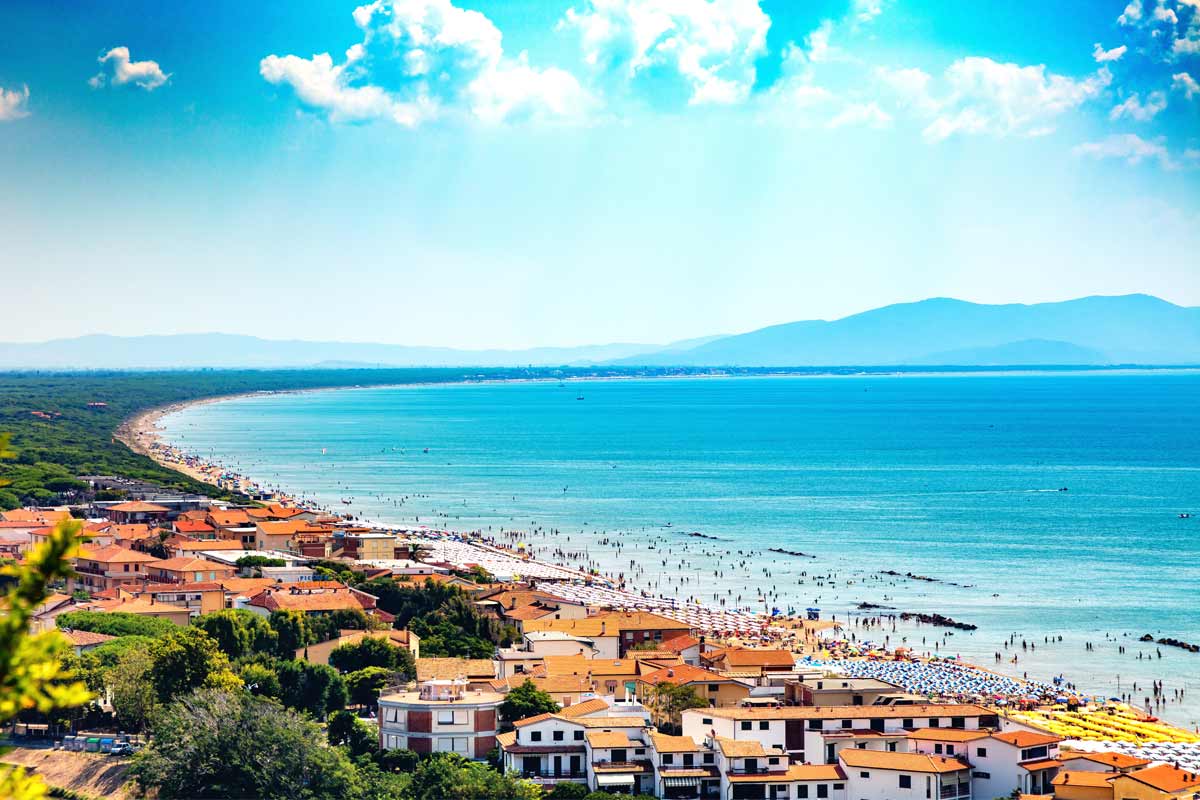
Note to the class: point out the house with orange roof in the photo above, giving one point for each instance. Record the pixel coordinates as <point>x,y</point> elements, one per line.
<point>1073,784</point>
<point>1022,760</point>
<point>234,524</point>
<point>565,689</point>
<point>1083,761</point>
<point>319,653</point>
<point>185,545</point>
<point>195,528</point>
<point>1162,782</point>
<point>136,511</point>
<point>41,516</point>
<point>713,687</point>
<point>126,603</point>
<point>82,641</point>
<point>278,534</point>
<point>188,569</point>
<point>199,597</point>
<point>111,567</point>
<point>750,662</point>
<point>314,598</point>
<point>882,775</point>
<point>615,632</point>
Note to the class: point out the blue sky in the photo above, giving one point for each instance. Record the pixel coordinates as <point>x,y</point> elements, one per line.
<point>507,174</point>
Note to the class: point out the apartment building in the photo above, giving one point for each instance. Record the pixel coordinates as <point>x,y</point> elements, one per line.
<point>441,716</point>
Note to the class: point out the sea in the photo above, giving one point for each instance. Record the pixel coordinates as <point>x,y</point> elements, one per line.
<point>1050,510</point>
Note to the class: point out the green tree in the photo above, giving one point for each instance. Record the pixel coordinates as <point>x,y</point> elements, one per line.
<point>238,632</point>
<point>219,744</point>
<point>115,623</point>
<point>398,760</point>
<point>291,632</point>
<point>187,660</point>
<point>524,701</point>
<point>134,699</point>
<point>449,776</point>
<point>372,651</point>
<point>347,730</point>
<point>260,679</point>
<point>568,791</point>
<point>363,686</point>
<point>31,667</point>
<point>315,688</point>
<point>667,702</point>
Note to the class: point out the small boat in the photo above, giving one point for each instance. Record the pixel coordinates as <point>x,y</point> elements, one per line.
<point>579,398</point>
<point>1185,515</point>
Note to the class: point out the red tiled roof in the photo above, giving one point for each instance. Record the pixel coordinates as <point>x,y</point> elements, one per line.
<point>114,554</point>
<point>137,506</point>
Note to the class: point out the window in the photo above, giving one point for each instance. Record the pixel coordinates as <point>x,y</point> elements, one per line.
<point>772,761</point>
<point>906,724</point>
<point>1033,752</point>
<point>557,736</point>
<point>891,747</point>
<point>579,736</point>
<point>822,790</point>
<point>847,724</point>
<point>746,725</point>
<point>535,736</point>
<point>937,748</point>
<point>864,774</point>
<point>949,749</point>
<point>668,759</point>
<point>905,781</point>
<point>714,687</point>
<point>764,725</point>
<point>814,724</point>
<point>958,722</point>
<point>689,760</point>
<point>519,668</point>
<point>861,745</point>
<point>445,717</point>
<point>640,751</point>
<point>801,792</point>
<point>708,758</point>
<point>706,720</point>
<point>935,722</point>
<point>981,752</point>
<point>981,775</point>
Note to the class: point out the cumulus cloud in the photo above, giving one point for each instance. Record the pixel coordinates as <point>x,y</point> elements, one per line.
<point>13,103</point>
<point>1183,82</point>
<point>861,114</point>
<point>1167,30</point>
<point>419,58</point>
<point>1132,14</point>
<point>1103,56</point>
<point>704,48</point>
<point>1128,147</point>
<point>118,70</point>
<point>1132,108</point>
<point>866,10</point>
<point>987,96</point>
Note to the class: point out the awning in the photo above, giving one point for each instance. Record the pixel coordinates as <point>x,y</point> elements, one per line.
<point>669,783</point>
<point>614,780</point>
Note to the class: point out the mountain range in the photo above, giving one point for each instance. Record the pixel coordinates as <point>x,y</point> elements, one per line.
<point>1127,329</point>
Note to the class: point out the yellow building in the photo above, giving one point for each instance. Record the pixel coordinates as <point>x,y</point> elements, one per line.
<point>1164,782</point>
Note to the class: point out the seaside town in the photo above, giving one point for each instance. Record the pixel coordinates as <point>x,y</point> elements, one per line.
<point>571,683</point>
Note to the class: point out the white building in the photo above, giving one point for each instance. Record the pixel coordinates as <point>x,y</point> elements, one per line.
<point>880,775</point>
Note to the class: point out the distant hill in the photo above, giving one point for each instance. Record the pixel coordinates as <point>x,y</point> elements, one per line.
<point>1130,329</point>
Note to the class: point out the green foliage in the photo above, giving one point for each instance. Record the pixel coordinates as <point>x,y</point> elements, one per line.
<point>315,688</point>
<point>260,679</point>
<point>398,760</point>
<point>238,632</point>
<point>259,561</point>
<point>187,660</point>
<point>329,625</point>
<point>372,651</point>
<point>524,701</point>
<point>363,686</point>
<point>443,616</point>
<point>568,791</point>
<point>347,730</point>
<point>115,623</point>
<point>217,744</point>
<point>448,776</point>
<point>291,632</point>
<point>667,702</point>
<point>134,699</point>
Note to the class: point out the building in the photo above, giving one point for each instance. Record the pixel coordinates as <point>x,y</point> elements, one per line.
<point>319,653</point>
<point>188,569</point>
<point>198,597</point>
<point>682,768</point>
<point>312,597</point>
<point>615,632</point>
<point>1163,782</point>
<point>477,672</point>
<point>817,734</point>
<point>111,567</point>
<point>836,690</point>
<point>565,689</point>
<point>1082,761</point>
<point>136,511</point>
<point>880,775</point>
<point>442,716</point>
<point>715,688</point>
<point>1083,785</point>
<point>750,662</point>
<point>1026,761</point>
<point>82,641</point>
<point>368,545</point>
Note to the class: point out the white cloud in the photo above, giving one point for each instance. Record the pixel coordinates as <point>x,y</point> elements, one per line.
<point>1132,14</point>
<point>709,45</point>
<point>819,48</point>
<point>1102,56</point>
<point>865,114</point>
<point>1183,82</point>
<point>13,103</point>
<point>1135,110</point>
<point>1168,30</point>
<point>988,96</point>
<point>1128,147</point>
<point>420,57</point>
<point>866,10</point>
<point>911,87</point>
<point>118,70</point>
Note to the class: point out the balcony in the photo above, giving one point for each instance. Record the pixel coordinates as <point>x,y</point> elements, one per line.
<point>550,776</point>
<point>960,791</point>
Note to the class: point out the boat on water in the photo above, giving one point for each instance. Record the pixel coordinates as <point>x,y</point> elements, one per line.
<point>580,397</point>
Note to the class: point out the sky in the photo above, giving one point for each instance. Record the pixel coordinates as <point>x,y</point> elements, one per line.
<point>515,173</point>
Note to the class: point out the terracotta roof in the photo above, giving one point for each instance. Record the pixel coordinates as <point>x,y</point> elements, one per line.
<point>947,735</point>
<point>609,722</point>
<point>681,674</point>
<point>139,606</point>
<point>597,667</point>
<point>200,586</point>
<point>193,526</point>
<point>85,638</point>
<point>1026,738</point>
<point>114,554</point>
<point>1164,777</point>
<point>506,739</point>
<point>521,723</point>
<point>554,684</point>
<point>679,643</point>
<point>528,612</point>
<point>137,506</point>
<point>1085,778</point>
<point>207,544</point>
<point>1040,764</point>
<point>450,668</point>
<point>740,748</point>
<point>664,743</point>
<point>815,772</point>
<point>745,657</point>
<point>1114,760</point>
<point>35,515</point>
<point>191,564</point>
<point>610,624</point>
<point>245,585</point>
<point>593,706</point>
<point>303,601</point>
<point>850,712</point>
<point>905,762</point>
<point>608,739</point>
<point>229,518</point>
<point>290,526</point>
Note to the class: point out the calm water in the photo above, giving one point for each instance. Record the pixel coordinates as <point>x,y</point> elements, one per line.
<point>953,477</point>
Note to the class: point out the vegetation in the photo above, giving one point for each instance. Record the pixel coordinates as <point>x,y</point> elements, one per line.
<point>247,562</point>
<point>188,659</point>
<point>238,632</point>
<point>372,651</point>
<point>667,702</point>
<point>443,616</point>
<point>525,700</point>
<point>115,623</point>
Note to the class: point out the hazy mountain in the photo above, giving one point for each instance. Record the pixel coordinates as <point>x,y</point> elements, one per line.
<point>1127,329</point>
<point>1132,329</point>
<point>226,350</point>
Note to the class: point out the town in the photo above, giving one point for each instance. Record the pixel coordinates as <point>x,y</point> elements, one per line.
<point>411,644</point>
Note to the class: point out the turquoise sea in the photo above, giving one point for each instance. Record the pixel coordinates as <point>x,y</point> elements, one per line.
<point>955,477</point>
